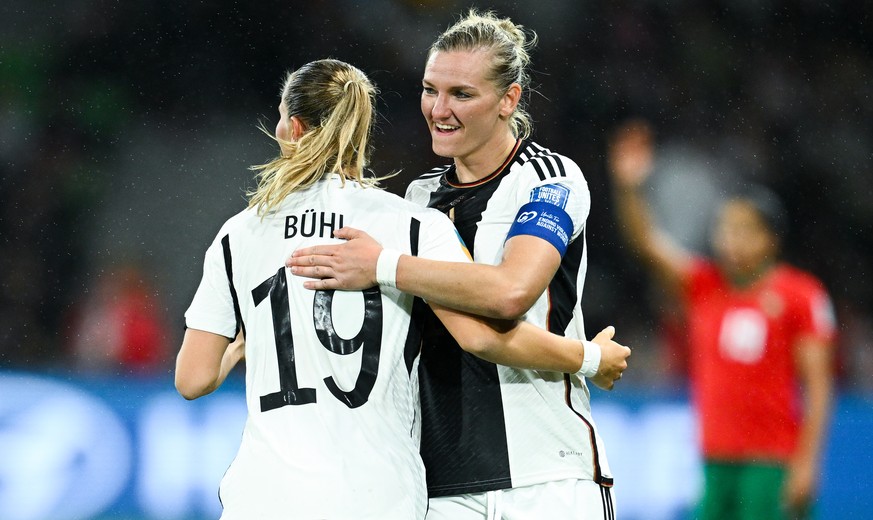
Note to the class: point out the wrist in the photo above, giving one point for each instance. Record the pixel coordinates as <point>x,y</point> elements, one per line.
<point>386,267</point>
<point>591,359</point>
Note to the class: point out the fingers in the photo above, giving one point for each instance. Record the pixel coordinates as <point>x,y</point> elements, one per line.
<point>608,331</point>
<point>348,233</point>
<point>300,258</point>
<point>312,271</point>
<point>321,250</point>
<point>322,285</point>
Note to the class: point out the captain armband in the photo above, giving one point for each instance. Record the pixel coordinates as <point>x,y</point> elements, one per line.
<point>546,221</point>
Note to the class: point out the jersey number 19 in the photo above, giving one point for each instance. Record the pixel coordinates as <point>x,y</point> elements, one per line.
<point>369,337</point>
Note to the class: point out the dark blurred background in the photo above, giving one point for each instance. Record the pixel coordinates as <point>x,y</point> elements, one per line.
<point>126,130</point>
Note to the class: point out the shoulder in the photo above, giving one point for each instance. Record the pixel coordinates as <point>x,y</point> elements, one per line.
<point>434,173</point>
<point>798,281</point>
<point>239,221</point>
<point>807,296</point>
<point>432,176</point>
<point>421,187</point>
<point>543,165</point>
<point>703,273</point>
<point>536,166</point>
<point>385,202</point>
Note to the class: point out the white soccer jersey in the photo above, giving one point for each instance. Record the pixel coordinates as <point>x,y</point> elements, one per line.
<point>331,386</point>
<point>487,426</point>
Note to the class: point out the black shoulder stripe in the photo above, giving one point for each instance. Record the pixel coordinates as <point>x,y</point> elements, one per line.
<point>553,163</point>
<point>228,267</point>
<point>434,172</point>
<point>540,173</point>
<point>546,160</point>
<point>562,171</point>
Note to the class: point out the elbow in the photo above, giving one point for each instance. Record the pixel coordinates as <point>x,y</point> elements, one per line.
<point>483,348</point>
<point>477,342</point>
<point>513,304</point>
<point>191,390</point>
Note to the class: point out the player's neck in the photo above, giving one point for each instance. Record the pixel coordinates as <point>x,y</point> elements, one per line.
<point>487,163</point>
<point>746,279</point>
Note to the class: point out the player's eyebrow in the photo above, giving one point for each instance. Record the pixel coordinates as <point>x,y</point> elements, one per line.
<point>453,88</point>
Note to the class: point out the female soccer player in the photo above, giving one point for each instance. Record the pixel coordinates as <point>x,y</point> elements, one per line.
<point>331,379</point>
<point>498,442</point>
<point>758,329</point>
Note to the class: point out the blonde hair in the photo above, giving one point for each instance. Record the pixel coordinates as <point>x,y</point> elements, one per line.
<point>335,103</point>
<point>510,50</point>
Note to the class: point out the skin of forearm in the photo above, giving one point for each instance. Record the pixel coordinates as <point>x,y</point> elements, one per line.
<point>460,286</point>
<point>814,365</point>
<point>812,432</point>
<point>512,343</point>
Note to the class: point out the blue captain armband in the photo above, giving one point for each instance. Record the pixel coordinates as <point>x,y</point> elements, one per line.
<point>544,220</point>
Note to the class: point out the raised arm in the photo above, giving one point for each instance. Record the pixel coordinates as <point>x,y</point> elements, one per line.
<point>630,159</point>
<point>528,264</point>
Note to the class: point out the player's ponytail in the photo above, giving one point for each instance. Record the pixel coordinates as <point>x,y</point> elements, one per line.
<point>510,45</point>
<point>335,103</point>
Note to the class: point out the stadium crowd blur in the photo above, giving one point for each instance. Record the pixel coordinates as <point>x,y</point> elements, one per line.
<point>118,116</point>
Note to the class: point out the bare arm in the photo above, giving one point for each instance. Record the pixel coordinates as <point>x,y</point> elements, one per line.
<point>512,289</point>
<point>630,159</point>
<point>814,366</point>
<point>204,361</point>
<point>522,345</point>
<point>513,286</point>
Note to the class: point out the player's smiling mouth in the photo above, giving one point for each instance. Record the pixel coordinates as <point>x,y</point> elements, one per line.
<point>442,128</point>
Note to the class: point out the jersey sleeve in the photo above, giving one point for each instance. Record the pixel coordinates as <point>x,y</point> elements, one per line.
<point>814,311</point>
<point>440,240</point>
<point>212,308</point>
<point>553,208</point>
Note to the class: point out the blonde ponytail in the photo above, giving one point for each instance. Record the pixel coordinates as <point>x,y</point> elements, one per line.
<point>335,102</point>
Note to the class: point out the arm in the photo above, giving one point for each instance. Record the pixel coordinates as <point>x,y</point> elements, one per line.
<point>630,158</point>
<point>204,361</point>
<point>522,345</point>
<point>813,359</point>
<point>513,286</point>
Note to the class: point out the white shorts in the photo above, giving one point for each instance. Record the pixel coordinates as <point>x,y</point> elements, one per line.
<point>565,499</point>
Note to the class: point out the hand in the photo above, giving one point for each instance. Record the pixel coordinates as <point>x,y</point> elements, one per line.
<point>631,153</point>
<point>800,483</point>
<point>348,266</point>
<point>613,359</point>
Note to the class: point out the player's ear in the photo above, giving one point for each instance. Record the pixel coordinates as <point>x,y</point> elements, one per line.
<point>510,100</point>
<point>298,128</point>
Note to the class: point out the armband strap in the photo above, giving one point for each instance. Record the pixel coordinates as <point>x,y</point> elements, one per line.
<point>386,267</point>
<point>591,361</point>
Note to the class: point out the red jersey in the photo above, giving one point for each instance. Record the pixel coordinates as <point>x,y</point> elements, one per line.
<point>742,361</point>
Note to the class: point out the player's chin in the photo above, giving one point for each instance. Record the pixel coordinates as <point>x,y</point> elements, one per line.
<point>443,143</point>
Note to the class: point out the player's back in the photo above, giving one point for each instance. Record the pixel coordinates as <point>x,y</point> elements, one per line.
<point>331,387</point>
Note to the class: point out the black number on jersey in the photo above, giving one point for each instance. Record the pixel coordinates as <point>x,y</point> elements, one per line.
<point>369,338</point>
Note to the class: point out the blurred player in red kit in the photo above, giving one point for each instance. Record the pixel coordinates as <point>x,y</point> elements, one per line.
<point>757,328</point>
